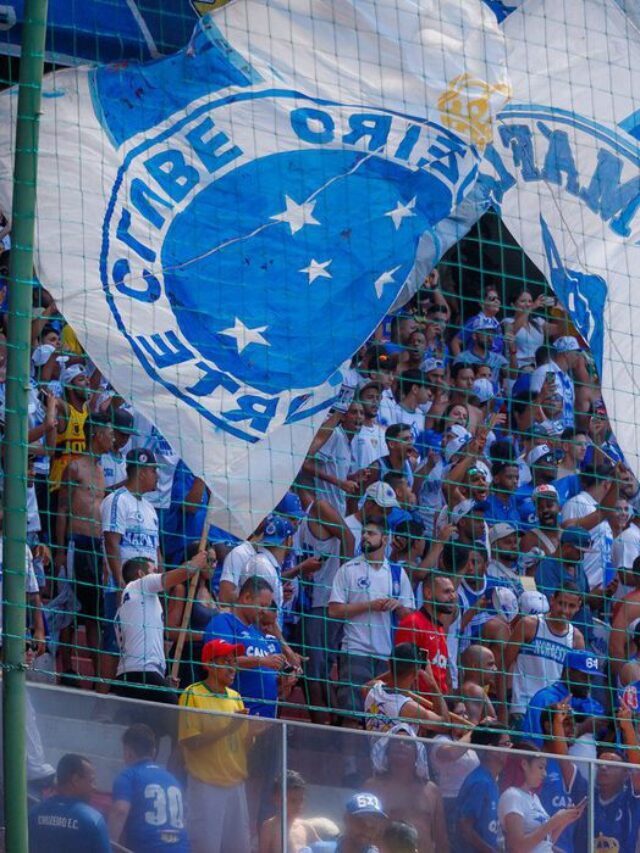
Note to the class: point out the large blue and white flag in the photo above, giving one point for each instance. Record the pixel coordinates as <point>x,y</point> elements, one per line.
<point>107,30</point>
<point>563,172</point>
<point>225,227</point>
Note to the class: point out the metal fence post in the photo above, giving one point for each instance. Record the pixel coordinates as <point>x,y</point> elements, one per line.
<point>16,428</point>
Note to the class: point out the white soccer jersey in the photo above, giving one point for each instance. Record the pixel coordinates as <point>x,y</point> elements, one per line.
<point>135,520</point>
<point>139,625</point>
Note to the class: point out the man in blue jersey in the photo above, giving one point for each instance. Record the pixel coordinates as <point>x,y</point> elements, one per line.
<point>258,668</point>
<point>617,801</point>
<point>66,821</point>
<point>579,667</point>
<point>477,805</point>
<point>147,814</point>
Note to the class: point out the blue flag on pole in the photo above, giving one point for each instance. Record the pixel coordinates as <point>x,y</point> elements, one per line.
<point>226,226</point>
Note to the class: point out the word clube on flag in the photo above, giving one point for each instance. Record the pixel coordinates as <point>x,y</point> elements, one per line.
<point>226,226</point>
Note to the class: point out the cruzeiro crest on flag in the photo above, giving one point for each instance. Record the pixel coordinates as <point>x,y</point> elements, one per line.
<point>249,241</point>
<point>203,7</point>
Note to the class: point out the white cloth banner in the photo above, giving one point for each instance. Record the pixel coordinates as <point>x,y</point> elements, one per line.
<point>563,174</point>
<point>223,228</point>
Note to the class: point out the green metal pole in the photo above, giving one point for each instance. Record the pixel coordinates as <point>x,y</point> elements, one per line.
<point>16,426</point>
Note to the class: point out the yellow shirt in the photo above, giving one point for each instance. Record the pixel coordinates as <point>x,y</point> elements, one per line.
<point>72,442</point>
<point>224,761</point>
<point>69,341</point>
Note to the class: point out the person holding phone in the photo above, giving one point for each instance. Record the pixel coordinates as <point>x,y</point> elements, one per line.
<point>526,824</point>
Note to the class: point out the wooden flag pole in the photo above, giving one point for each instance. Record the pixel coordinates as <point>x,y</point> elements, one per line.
<point>188,605</point>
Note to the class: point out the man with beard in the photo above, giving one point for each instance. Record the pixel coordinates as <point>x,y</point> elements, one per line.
<point>369,596</point>
<point>369,444</point>
<point>544,470</point>
<point>543,539</point>
<point>424,629</point>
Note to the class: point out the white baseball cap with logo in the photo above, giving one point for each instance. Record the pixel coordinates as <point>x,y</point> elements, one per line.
<point>382,494</point>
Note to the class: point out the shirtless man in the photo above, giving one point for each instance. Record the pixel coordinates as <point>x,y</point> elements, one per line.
<point>477,676</point>
<point>408,796</point>
<point>301,834</point>
<point>78,531</point>
<point>73,411</point>
<point>624,640</point>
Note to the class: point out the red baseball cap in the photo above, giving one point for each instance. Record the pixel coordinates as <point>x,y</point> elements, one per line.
<point>220,648</point>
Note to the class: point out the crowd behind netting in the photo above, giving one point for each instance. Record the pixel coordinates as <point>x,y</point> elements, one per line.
<point>458,562</point>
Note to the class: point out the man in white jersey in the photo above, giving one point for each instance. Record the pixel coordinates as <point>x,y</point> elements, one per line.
<point>567,358</point>
<point>369,444</point>
<point>414,396</point>
<point>129,521</point>
<point>329,458</point>
<point>323,535</point>
<point>140,628</point>
<point>114,464</point>
<point>591,510</point>
<point>539,645</point>
<point>369,597</point>
<point>234,565</point>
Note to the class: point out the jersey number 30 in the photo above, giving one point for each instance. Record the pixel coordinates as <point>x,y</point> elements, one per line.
<point>167,803</point>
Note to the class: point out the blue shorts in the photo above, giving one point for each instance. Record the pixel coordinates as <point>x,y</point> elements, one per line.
<point>109,642</point>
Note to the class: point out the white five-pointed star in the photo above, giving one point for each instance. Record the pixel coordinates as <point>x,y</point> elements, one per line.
<point>317,270</point>
<point>296,215</point>
<point>385,278</point>
<point>245,336</point>
<point>401,211</point>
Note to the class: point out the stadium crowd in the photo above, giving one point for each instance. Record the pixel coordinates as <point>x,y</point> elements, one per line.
<point>458,559</point>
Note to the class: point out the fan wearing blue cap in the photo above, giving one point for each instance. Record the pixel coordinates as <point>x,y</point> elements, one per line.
<point>364,823</point>
<point>271,553</point>
<point>580,666</point>
<point>479,349</point>
<point>290,509</point>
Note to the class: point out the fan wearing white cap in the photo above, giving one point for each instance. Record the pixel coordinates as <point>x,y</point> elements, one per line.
<point>378,498</point>
<point>503,566</point>
<point>543,539</point>
<point>558,373</point>
<point>73,412</point>
<point>539,645</point>
<point>543,466</point>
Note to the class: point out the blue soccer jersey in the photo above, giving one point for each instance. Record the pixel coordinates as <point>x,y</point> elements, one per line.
<point>616,822</point>
<point>69,825</point>
<point>155,823</point>
<point>554,796</point>
<point>258,686</point>
<point>478,800</point>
